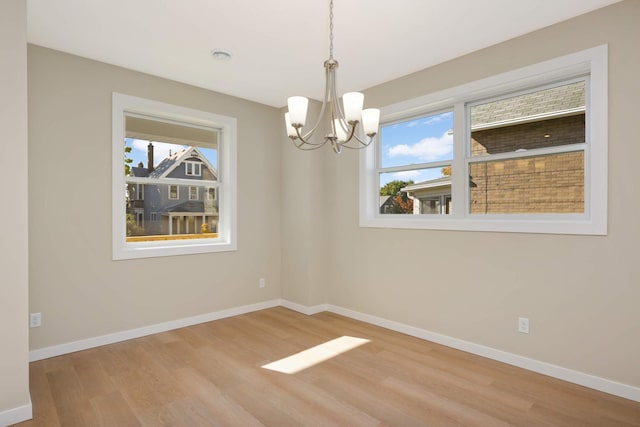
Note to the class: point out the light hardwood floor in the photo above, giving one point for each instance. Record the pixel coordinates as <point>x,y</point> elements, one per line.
<point>211,375</point>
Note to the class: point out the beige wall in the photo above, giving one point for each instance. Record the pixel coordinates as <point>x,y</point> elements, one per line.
<point>80,291</point>
<point>580,293</point>
<point>304,222</point>
<point>14,279</point>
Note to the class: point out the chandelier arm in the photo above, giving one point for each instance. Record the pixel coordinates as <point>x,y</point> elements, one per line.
<point>304,141</point>
<point>309,147</point>
<point>360,143</point>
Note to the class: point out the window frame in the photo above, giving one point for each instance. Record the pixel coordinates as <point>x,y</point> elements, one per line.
<point>226,187</point>
<point>140,192</point>
<point>169,192</point>
<point>193,168</point>
<point>191,187</point>
<point>590,62</point>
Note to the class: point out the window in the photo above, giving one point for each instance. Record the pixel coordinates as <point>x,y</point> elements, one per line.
<point>524,151</point>
<point>193,193</point>
<point>174,192</point>
<point>172,147</point>
<point>211,193</point>
<point>192,169</point>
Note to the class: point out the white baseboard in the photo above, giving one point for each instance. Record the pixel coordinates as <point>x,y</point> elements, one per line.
<point>57,350</point>
<point>576,377</point>
<point>16,415</point>
<point>569,375</point>
<point>309,311</point>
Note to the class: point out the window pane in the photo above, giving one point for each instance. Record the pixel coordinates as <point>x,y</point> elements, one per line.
<point>419,140</point>
<point>161,160</point>
<point>541,184</point>
<point>419,191</point>
<point>169,212</point>
<point>545,118</point>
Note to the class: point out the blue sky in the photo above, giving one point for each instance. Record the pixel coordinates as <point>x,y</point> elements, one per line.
<point>161,151</point>
<point>421,140</point>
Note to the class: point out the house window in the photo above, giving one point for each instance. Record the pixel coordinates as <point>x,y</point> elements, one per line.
<point>192,169</point>
<point>524,151</point>
<point>174,192</point>
<point>439,205</point>
<point>193,193</point>
<point>211,193</point>
<point>139,218</point>
<point>172,146</point>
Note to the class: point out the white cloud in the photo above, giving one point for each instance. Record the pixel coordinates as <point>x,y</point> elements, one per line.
<point>160,149</point>
<point>429,120</point>
<point>435,119</point>
<point>427,150</point>
<point>406,175</point>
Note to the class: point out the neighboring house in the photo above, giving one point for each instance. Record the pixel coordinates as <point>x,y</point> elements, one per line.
<point>430,197</point>
<point>169,209</point>
<point>386,205</point>
<point>551,183</point>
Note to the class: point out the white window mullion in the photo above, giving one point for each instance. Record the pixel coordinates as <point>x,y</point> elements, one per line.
<point>459,185</point>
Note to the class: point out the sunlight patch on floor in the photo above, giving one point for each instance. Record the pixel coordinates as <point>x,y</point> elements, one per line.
<point>308,358</point>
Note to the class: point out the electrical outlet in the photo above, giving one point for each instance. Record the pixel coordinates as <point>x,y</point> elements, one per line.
<point>523,325</point>
<point>263,283</point>
<point>35,320</point>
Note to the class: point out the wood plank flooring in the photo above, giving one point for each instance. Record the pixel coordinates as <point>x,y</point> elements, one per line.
<point>211,375</point>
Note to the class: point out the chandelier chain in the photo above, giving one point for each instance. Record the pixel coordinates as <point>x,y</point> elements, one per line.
<point>331,29</point>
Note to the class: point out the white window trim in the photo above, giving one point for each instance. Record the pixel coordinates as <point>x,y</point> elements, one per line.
<point>197,191</point>
<point>227,158</point>
<point>215,192</point>
<point>594,222</point>
<point>194,166</point>
<point>169,192</point>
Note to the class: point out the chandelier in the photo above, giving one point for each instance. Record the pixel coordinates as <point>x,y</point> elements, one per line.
<point>341,123</point>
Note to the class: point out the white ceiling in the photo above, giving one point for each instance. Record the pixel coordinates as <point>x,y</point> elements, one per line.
<point>279,46</point>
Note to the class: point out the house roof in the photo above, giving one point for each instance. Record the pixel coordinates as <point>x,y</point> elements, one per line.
<point>139,171</point>
<point>190,206</point>
<point>557,101</point>
<point>445,181</point>
<point>385,199</point>
<point>169,163</point>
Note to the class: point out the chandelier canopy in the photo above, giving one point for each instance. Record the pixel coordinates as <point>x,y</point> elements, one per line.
<point>341,122</point>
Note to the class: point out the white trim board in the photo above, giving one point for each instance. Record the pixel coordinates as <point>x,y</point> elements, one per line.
<point>597,383</point>
<point>309,311</point>
<point>16,415</point>
<point>71,347</point>
<point>565,374</point>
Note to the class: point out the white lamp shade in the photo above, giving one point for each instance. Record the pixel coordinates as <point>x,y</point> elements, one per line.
<point>353,102</point>
<point>341,133</point>
<point>370,121</point>
<point>291,132</point>
<point>298,109</point>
